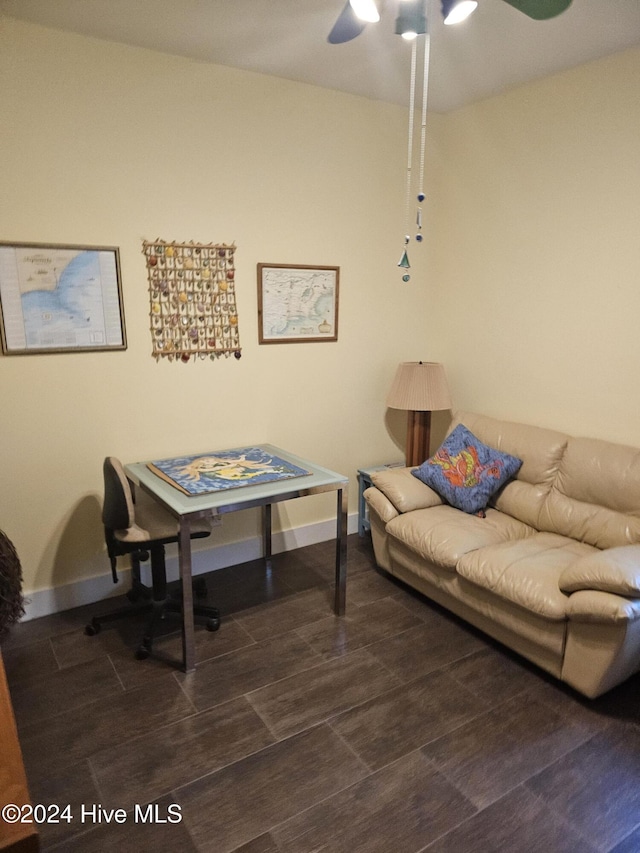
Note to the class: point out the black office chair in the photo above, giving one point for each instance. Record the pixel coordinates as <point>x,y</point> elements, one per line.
<point>143,531</point>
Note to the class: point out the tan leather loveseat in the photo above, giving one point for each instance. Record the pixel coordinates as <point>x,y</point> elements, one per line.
<point>552,571</point>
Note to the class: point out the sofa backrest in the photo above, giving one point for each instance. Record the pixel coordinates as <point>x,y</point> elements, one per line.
<point>541,451</point>
<point>595,496</point>
<point>583,488</point>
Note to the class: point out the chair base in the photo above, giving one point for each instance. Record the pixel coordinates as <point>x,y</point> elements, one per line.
<point>158,609</point>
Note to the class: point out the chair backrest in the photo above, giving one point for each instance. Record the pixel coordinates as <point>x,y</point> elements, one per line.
<point>118,511</point>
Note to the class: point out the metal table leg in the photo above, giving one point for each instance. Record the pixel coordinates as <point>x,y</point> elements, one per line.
<point>266,535</point>
<point>341,552</point>
<point>188,625</point>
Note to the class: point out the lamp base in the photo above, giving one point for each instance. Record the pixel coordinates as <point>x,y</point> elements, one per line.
<point>418,438</point>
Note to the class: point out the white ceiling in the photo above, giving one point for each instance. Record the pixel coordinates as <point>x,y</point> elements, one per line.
<point>496,49</point>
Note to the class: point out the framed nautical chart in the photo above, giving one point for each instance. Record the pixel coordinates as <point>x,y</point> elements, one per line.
<point>297,304</point>
<point>58,298</point>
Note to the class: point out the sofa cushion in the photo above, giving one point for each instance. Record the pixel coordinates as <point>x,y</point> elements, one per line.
<point>540,450</point>
<point>465,471</point>
<point>443,534</point>
<point>615,570</point>
<point>465,598</point>
<point>526,572</point>
<point>596,495</point>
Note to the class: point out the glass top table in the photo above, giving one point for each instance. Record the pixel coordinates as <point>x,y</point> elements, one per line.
<point>187,508</point>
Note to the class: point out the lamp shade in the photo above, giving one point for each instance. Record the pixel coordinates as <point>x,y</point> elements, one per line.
<point>419,386</point>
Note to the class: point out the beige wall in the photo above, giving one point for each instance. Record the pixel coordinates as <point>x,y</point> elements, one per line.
<point>109,145</point>
<point>527,288</point>
<point>538,300</point>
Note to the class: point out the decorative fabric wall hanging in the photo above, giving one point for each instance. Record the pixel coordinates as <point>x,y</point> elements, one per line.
<point>193,300</point>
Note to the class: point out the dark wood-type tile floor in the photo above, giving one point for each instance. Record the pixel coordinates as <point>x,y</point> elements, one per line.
<point>395,729</point>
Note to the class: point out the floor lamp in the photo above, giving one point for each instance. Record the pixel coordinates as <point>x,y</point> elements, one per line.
<point>419,387</point>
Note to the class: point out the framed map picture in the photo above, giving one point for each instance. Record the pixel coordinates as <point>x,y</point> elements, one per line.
<point>297,304</point>
<point>60,299</point>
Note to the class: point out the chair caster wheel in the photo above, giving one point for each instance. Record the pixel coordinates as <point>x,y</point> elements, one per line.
<point>142,653</point>
<point>92,629</point>
<point>212,624</point>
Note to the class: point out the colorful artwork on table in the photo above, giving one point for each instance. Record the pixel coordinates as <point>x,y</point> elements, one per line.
<point>225,469</point>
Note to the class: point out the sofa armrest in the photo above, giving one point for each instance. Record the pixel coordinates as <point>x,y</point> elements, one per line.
<point>405,491</point>
<point>380,504</point>
<point>615,570</point>
<point>590,605</point>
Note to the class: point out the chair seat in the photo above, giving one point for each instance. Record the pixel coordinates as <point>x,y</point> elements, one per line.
<point>153,522</point>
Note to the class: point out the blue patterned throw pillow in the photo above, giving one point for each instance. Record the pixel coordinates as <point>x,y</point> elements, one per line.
<point>465,472</point>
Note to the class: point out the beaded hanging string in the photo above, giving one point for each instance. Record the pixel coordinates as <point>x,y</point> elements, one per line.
<point>404,259</point>
<point>423,132</point>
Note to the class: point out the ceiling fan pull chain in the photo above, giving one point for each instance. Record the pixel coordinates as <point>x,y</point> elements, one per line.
<point>404,260</point>
<point>423,130</point>
<point>412,97</point>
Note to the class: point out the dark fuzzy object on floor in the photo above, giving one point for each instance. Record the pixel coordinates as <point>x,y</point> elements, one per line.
<point>11,601</point>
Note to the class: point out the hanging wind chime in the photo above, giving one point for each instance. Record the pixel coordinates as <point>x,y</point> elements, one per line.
<point>409,25</point>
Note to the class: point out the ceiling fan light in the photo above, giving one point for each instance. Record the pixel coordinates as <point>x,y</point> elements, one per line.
<point>456,11</point>
<point>412,19</point>
<point>365,10</point>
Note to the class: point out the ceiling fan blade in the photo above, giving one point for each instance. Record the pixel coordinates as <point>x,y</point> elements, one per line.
<point>540,10</point>
<point>347,27</point>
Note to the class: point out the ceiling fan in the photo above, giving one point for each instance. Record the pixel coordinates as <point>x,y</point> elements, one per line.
<point>411,20</point>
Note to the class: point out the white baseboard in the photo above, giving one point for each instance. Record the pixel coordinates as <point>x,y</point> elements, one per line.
<point>44,602</point>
